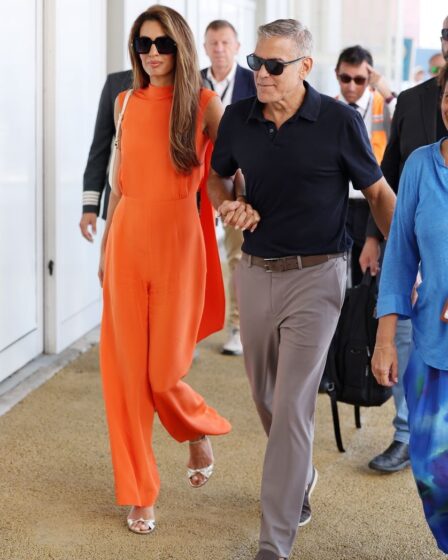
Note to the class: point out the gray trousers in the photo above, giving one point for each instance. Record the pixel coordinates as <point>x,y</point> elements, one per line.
<point>287,322</point>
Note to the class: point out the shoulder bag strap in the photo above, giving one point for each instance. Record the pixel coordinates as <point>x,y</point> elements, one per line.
<point>120,117</point>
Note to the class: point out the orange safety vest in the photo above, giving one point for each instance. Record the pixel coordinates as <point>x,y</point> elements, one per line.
<point>378,133</point>
<point>378,137</point>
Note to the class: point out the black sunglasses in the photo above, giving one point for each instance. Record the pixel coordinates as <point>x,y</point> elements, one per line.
<point>272,65</point>
<point>444,33</point>
<point>164,45</point>
<point>346,79</point>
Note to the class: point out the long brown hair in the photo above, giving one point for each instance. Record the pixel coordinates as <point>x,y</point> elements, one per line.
<point>187,83</point>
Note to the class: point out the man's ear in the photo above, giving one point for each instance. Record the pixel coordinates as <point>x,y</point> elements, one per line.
<point>307,65</point>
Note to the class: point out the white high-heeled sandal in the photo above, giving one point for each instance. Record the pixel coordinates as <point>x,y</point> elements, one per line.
<point>150,525</point>
<point>206,472</point>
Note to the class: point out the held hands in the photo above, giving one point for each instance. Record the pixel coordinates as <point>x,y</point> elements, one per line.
<point>239,214</point>
<point>370,256</point>
<point>385,364</point>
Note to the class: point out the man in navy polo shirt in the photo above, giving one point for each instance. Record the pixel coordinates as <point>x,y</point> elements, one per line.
<point>298,150</point>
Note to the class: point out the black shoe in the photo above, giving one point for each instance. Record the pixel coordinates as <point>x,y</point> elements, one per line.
<point>305,515</point>
<point>268,555</point>
<point>395,458</point>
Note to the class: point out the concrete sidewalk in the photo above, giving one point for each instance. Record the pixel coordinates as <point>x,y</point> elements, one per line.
<point>56,485</point>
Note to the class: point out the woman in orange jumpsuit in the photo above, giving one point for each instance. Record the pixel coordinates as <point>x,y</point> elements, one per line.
<point>159,268</point>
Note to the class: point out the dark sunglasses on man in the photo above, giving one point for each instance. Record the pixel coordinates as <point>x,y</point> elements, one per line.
<point>346,79</point>
<point>273,66</point>
<point>164,45</point>
<point>444,34</point>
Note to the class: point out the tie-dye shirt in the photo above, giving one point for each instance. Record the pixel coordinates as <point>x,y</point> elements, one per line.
<point>419,237</point>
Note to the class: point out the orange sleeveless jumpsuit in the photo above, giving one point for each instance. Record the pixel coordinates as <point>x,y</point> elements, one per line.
<point>163,291</point>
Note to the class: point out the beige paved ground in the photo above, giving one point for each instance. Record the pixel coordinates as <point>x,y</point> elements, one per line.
<point>57,496</point>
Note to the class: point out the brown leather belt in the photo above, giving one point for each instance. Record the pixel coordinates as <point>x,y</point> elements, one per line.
<point>289,263</point>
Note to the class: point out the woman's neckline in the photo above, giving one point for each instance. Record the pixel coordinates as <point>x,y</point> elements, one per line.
<point>158,92</point>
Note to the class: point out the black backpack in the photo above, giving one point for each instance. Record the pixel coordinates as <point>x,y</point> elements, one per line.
<point>348,377</point>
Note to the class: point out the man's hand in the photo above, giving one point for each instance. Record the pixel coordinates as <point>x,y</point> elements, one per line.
<point>239,214</point>
<point>377,81</point>
<point>374,76</point>
<point>88,219</point>
<point>370,256</point>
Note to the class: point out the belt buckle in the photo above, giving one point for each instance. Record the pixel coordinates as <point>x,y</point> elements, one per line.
<point>267,264</point>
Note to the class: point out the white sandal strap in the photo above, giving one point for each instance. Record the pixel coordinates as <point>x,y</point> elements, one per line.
<point>206,472</point>
<point>148,523</point>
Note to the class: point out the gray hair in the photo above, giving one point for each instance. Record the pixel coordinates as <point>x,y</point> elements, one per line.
<point>292,29</point>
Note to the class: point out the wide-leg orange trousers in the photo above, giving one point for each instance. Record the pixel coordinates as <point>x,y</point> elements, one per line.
<point>150,321</point>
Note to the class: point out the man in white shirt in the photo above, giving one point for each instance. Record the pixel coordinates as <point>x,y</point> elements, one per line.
<point>362,87</point>
<point>368,92</point>
<point>232,83</point>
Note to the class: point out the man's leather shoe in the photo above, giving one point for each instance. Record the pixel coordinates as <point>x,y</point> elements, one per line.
<point>395,458</point>
<point>268,555</point>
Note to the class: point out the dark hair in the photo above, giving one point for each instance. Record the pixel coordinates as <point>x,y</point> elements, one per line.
<point>187,83</point>
<point>355,55</point>
<point>220,24</point>
<point>443,77</point>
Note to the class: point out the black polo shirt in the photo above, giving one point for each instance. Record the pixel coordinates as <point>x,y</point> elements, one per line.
<point>297,176</point>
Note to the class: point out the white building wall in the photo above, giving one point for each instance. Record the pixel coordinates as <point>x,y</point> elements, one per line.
<point>55,69</point>
<point>21,316</point>
<point>75,69</point>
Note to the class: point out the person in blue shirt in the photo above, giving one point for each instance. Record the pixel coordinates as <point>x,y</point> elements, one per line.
<point>418,241</point>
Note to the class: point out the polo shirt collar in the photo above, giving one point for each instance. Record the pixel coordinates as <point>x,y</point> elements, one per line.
<point>309,110</point>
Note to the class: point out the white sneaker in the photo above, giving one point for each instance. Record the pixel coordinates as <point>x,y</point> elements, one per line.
<point>233,346</point>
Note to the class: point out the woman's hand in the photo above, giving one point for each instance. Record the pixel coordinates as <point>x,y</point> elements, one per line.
<point>385,364</point>
<point>114,199</point>
<point>239,214</point>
